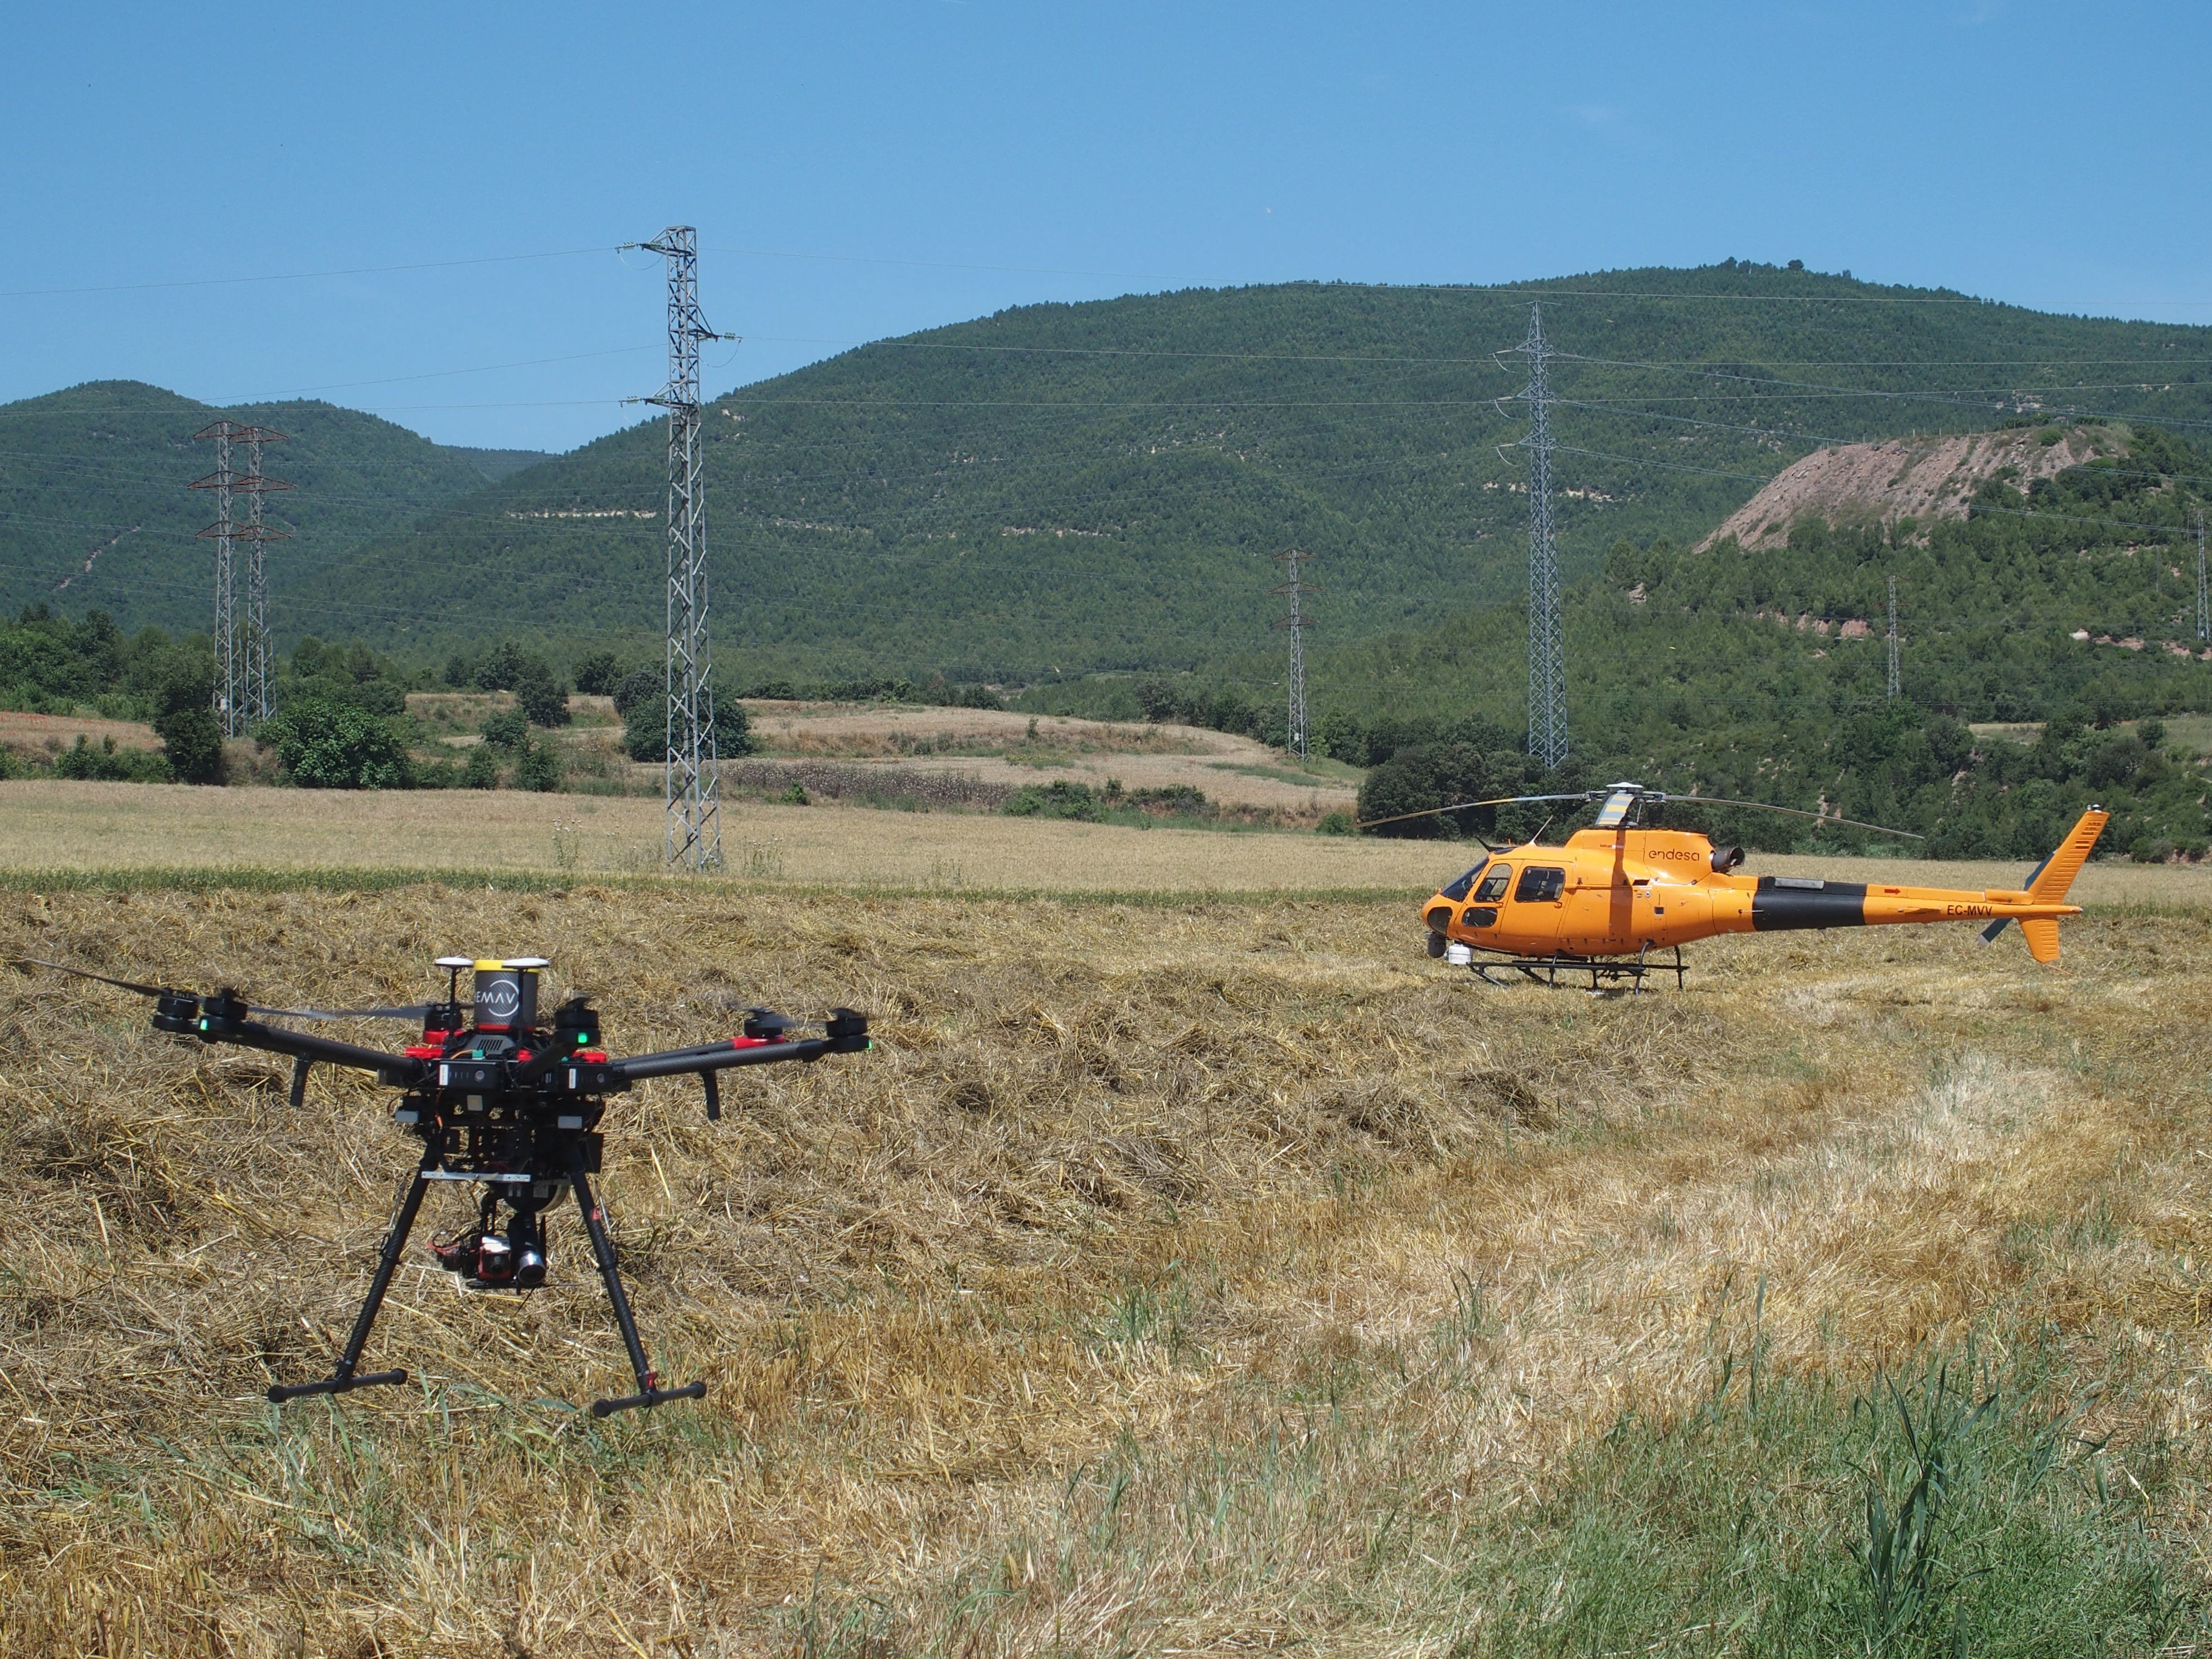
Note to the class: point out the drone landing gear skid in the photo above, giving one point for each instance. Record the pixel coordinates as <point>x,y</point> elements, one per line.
<point>344,1378</point>
<point>1546,970</point>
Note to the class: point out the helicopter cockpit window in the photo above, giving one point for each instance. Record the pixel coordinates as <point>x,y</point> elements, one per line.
<point>1494,885</point>
<point>1458,888</point>
<point>1539,885</point>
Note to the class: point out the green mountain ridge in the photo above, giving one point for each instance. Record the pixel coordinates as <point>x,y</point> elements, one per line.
<point>1060,490</point>
<point>95,514</point>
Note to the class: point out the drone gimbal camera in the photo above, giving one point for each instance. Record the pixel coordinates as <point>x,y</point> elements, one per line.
<point>500,1100</point>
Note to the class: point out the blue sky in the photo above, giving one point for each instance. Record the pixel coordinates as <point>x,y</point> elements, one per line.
<point>857,170</point>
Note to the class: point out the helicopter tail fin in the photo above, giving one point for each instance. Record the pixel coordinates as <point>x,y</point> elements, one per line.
<point>2042,935</point>
<point>2052,879</point>
<point>2050,884</point>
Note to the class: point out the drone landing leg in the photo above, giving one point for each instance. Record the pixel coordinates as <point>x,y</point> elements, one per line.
<point>342,1380</point>
<point>649,1393</point>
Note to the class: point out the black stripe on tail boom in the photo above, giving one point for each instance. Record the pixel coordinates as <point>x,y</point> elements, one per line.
<point>1784,904</point>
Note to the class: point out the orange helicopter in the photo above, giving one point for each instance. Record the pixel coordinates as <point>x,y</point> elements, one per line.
<point>1621,889</point>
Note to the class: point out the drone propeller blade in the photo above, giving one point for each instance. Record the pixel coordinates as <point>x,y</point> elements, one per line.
<point>1794,812</point>
<point>416,1011</point>
<point>82,973</point>
<point>413,1011</point>
<point>1467,806</point>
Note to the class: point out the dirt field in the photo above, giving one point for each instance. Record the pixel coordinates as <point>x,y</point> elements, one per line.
<point>1177,1279</point>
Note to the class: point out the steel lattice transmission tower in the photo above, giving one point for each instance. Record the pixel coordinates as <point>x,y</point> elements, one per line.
<point>1548,667</point>
<point>1296,622</point>
<point>2204,593</point>
<point>692,783</point>
<point>257,533</point>
<point>229,676</point>
<point>1895,685</point>
<point>241,642</point>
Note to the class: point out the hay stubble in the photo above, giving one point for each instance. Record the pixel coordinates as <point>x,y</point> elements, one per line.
<point>1155,1259</point>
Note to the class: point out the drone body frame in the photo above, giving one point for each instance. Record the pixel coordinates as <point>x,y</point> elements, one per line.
<point>499,1100</point>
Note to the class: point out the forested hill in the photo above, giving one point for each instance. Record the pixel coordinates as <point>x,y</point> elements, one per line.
<point>1060,489</point>
<point>95,513</point>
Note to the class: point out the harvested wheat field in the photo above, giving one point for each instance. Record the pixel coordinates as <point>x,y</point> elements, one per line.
<point>1187,1276</point>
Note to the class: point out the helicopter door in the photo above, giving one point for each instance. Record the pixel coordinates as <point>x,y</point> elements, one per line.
<point>1596,916</point>
<point>1538,907</point>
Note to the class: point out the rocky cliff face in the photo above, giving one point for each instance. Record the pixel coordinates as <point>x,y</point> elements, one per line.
<point>1924,479</point>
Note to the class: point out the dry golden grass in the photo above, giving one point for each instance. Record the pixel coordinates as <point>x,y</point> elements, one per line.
<point>1170,1278</point>
<point>43,736</point>
<point>61,825</point>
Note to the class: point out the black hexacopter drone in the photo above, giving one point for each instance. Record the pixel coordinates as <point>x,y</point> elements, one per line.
<point>496,1099</point>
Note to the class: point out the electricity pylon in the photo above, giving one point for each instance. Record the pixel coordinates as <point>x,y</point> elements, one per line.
<point>1547,667</point>
<point>690,776</point>
<point>257,533</point>
<point>229,670</point>
<point>2203,594</point>
<point>241,643</point>
<point>1894,684</point>
<point>1295,624</point>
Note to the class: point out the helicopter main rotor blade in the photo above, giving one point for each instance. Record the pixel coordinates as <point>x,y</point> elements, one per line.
<point>1465,805</point>
<point>1794,812</point>
<point>86,972</point>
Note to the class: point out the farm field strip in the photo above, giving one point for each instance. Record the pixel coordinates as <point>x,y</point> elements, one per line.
<point>1217,1277</point>
<point>60,824</point>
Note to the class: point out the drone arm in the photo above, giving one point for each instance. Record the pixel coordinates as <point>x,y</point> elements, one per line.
<point>213,1021</point>
<point>681,1062</point>
<point>848,1034</point>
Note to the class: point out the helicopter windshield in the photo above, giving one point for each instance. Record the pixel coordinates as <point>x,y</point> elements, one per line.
<point>1458,889</point>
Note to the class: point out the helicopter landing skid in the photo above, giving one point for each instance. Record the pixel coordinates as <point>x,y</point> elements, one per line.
<point>1546,970</point>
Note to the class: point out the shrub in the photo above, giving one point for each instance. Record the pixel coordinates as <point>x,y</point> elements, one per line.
<point>481,770</point>
<point>542,697</point>
<point>509,728</point>
<point>1055,801</point>
<point>1337,823</point>
<point>638,685</point>
<point>598,674</point>
<point>538,767</point>
<point>1424,777</point>
<point>191,739</point>
<point>108,764</point>
<point>323,744</point>
<point>193,743</point>
<point>645,730</point>
<point>500,667</point>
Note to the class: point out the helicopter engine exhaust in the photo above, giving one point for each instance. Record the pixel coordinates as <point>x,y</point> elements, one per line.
<point>1726,859</point>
